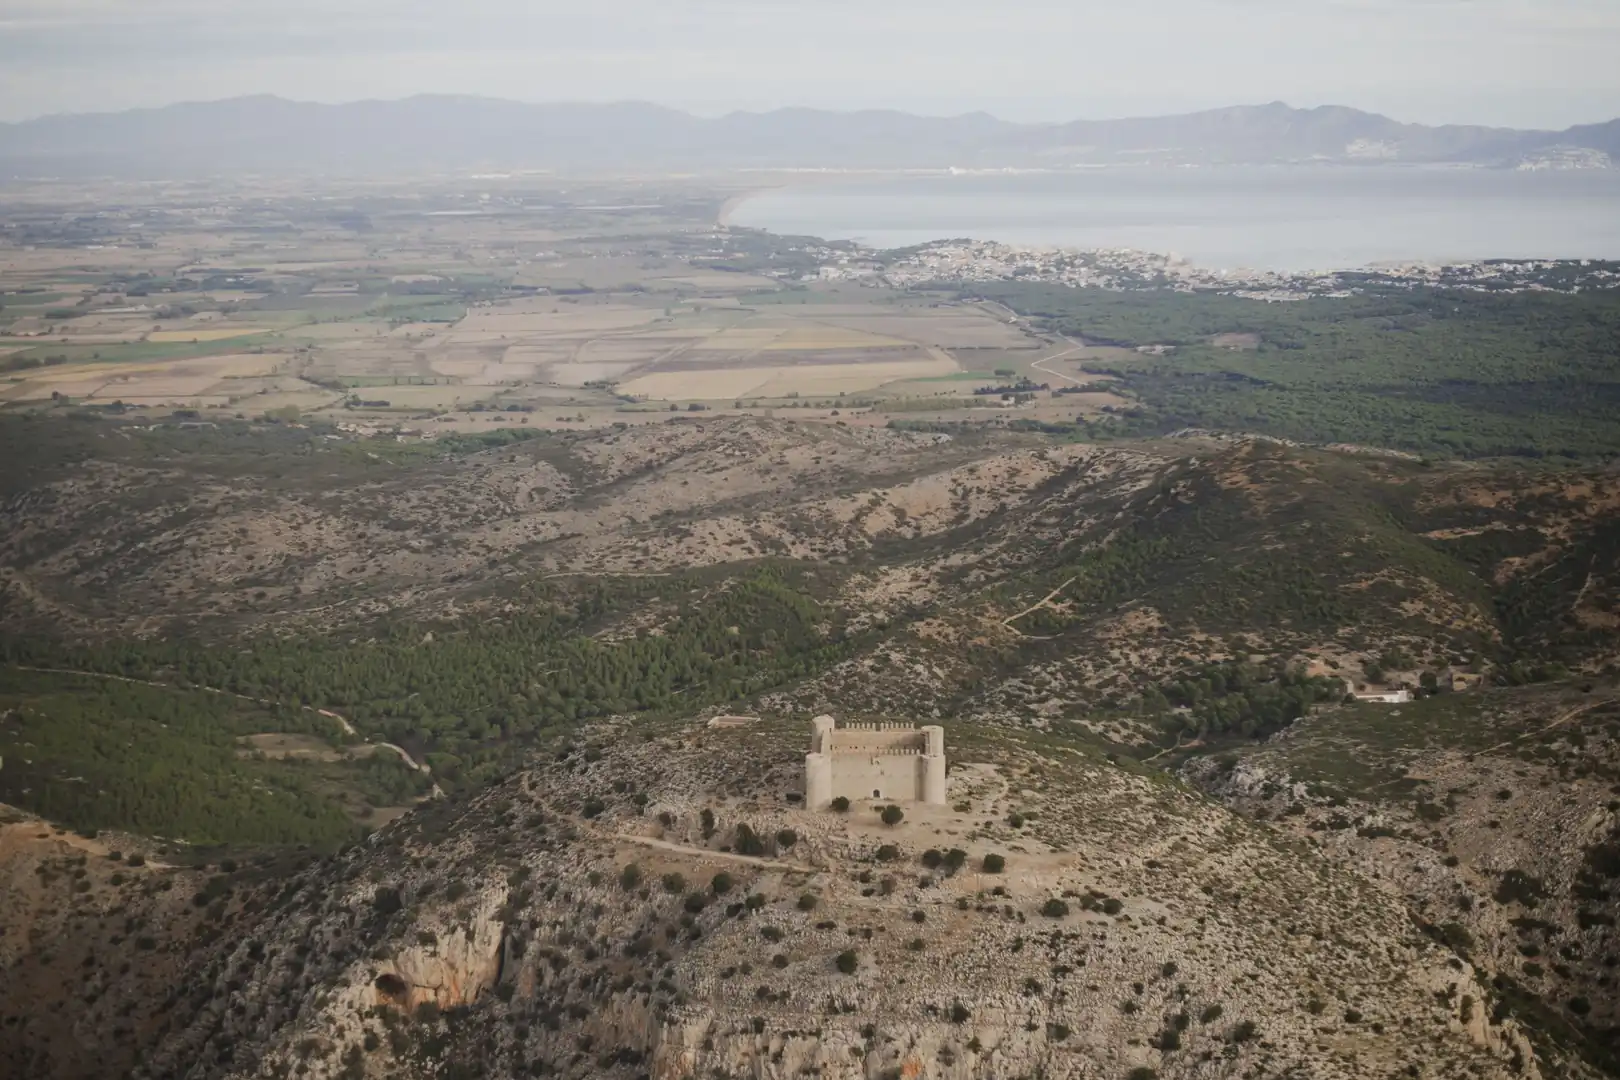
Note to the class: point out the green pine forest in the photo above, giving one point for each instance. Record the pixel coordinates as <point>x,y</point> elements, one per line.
<point>467,699</point>
<point>96,753</point>
<point>1442,372</point>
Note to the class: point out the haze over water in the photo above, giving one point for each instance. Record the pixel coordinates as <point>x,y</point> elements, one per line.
<point>1291,218</point>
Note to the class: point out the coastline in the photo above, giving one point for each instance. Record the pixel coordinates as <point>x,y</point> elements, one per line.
<point>806,178</point>
<point>722,219</point>
<point>1356,237</point>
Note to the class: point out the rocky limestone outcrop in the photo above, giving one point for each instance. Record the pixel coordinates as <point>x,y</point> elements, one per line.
<point>450,964</point>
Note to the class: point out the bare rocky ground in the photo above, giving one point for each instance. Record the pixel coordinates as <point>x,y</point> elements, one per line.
<point>1492,817</point>
<point>1288,909</point>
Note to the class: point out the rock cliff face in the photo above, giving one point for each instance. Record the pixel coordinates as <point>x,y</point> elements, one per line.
<point>664,907</point>
<point>450,966</point>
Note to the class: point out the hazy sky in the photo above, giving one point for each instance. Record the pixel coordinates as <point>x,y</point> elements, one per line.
<point>1546,63</point>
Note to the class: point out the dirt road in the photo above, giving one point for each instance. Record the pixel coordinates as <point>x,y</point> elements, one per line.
<point>341,721</point>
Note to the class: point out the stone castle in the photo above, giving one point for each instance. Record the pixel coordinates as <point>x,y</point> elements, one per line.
<point>873,761</point>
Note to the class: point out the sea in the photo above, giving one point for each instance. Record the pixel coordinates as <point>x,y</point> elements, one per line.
<point>1286,218</point>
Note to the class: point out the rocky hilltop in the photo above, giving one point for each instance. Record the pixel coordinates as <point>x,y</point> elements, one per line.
<point>662,907</point>
<point>1171,847</point>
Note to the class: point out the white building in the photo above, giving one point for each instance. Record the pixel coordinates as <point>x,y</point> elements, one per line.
<point>1386,697</point>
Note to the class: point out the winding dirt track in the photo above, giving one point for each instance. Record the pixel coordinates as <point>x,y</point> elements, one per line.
<point>706,853</point>
<point>1042,602</point>
<point>1060,356</point>
<point>341,721</point>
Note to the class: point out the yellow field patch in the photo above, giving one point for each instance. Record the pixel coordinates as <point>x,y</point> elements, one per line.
<point>465,368</point>
<point>549,318</point>
<point>794,339</point>
<point>156,386</point>
<point>40,389</point>
<point>571,374</point>
<point>222,334</point>
<point>230,365</point>
<point>781,380</point>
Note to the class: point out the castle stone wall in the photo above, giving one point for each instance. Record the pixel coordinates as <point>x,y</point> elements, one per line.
<point>874,761</point>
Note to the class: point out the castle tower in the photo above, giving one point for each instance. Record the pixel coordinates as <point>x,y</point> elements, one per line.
<point>818,765</point>
<point>933,778</point>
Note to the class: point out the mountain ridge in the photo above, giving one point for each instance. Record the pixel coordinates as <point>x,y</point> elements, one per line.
<point>266,133</point>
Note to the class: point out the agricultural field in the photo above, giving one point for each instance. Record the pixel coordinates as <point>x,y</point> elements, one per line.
<point>446,311</point>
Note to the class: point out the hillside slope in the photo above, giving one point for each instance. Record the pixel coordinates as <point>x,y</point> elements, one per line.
<point>546,623</point>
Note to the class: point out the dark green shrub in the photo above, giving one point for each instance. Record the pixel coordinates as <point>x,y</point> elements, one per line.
<point>892,815</point>
<point>747,842</point>
<point>786,838</point>
<point>840,805</point>
<point>1518,887</point>
<point>807,902</point>
<point>847,962</point>
<point>721,883</point>
<point>1054,908</point>
<point>630,877</point>
<point>994,864</point>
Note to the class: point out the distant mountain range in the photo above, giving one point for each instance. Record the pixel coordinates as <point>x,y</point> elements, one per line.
<point>446,133</point>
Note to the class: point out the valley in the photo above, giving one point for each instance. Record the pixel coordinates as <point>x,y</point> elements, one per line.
<point>361,630</point>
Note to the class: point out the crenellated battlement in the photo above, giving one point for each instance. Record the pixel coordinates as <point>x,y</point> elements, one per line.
<point>881,751</point>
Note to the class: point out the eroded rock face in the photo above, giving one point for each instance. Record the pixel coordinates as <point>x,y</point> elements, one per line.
<point>451,964</point>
